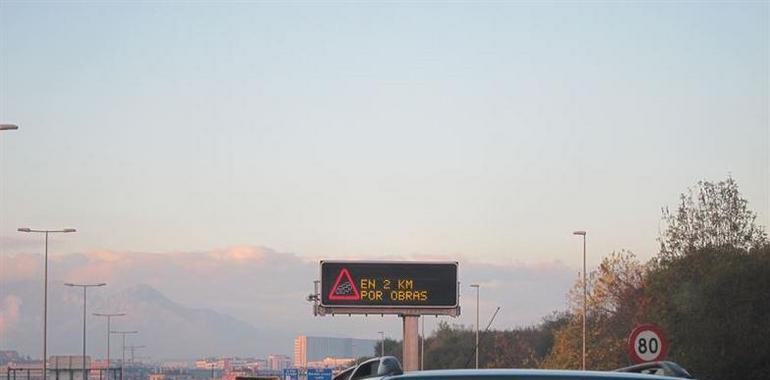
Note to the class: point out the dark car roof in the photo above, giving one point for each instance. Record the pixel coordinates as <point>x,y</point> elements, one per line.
<point>524,374</point>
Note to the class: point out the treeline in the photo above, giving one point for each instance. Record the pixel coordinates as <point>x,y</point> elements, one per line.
<point>708,288</point>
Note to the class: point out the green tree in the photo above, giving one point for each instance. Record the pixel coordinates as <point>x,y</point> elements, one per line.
<point>715,307</point>
<point>524,347</point>
<point>449,347</point>
<point>711,215</point>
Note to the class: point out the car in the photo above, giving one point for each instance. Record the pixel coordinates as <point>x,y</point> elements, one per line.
<point>524,374</point>
<point>377,368</point>
<point>664,368</point>
<point>344,374</point>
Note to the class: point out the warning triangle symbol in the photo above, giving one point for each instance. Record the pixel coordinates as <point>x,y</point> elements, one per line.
<point>344,288</point>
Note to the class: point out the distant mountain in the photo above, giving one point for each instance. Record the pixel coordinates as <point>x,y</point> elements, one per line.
<point>243,300</point>
<point>182,332</point>
<point>168,329</point>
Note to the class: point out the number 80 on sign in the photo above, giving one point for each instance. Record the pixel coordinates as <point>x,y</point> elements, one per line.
<point>647,343</point>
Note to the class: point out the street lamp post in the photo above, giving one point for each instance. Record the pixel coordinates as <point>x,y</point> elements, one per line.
<point>422,345</point>
<point>85,288</point>
<point>583,234</point>
<point>45,291</point>
<point>133,349</point>
<point>123,357</point>
<point>478,287</point>
<point>109,318</point>
<point>382,342</point>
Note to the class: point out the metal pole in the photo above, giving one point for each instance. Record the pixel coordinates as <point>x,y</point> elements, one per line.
<point>45,312</point>
<point>476,348</point>
<point>85,374</point>
<point>422,344</point>
<point>584,301</point>
<point>85,315</point>
<point>45,292</point>
<point>109,332</point>
<point>108,346</point>
<point>123,357</point>
<point>585,295</point>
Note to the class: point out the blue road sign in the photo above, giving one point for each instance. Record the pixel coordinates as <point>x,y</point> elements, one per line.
<point>319,374</point>
<point>290,374</point>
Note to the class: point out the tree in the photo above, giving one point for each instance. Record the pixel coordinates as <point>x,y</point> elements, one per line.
<point>520,348</point>
<point>449,347</point>
<point>711,215</point>
<point>616,302</point>
<point>714,305</point>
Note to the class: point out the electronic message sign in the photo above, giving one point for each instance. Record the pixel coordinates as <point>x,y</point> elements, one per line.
<point>385,285</point>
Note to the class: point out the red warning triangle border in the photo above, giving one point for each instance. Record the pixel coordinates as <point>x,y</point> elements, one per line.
<point>352,297</point>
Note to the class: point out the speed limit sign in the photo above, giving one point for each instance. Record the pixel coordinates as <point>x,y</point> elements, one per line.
<point>647,343</point>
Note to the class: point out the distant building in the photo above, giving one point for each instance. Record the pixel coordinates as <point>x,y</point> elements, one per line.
<point>258,364</point>
<point>309,349</point>
<point>278,362</point>
<point>7,356</point>
<point>219,364</point>
<point>171,375</point>
<point>331,363</point>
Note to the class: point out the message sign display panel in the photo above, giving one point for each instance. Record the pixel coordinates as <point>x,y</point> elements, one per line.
<point>386,285</point>
<point>319,374</point>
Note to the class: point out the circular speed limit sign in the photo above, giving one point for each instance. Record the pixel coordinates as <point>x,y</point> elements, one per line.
<point>647,343</point>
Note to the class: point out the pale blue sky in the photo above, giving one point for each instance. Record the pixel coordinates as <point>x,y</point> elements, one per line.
<point>489,131</point>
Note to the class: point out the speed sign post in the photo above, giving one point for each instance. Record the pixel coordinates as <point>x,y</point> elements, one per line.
<point>647,343</point>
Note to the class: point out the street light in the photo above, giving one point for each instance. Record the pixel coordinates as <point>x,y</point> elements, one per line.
<point>133,348</point>
<point>109,318</point>
<point>45,290</point>
<point>123,358</point>
<point>478,287</point>
<point>583,234</point>
<point>85,287</point>
<point>382,342</point>
<point>422,344</point>
<point>8,127</point>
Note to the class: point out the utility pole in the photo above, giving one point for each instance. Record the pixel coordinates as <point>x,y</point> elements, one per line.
<point>85,295</point>
<point>585,294</point>
<point>109,317</point>
<point>382,343</point>
<point>123,359</point>
<point>45,281</point>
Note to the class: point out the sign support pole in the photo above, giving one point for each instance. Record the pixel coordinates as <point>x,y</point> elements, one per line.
<point>411,342</point>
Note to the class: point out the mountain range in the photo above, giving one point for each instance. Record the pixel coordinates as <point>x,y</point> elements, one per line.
<point>242,301</point>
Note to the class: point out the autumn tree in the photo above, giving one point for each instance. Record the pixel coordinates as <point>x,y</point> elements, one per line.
<point>615,303</point>
<point>710,215</point>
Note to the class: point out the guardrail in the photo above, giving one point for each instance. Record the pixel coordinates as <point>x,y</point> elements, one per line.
<point>22,373</point>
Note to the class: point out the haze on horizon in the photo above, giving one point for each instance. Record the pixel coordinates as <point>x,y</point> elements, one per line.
<point>482,132</point>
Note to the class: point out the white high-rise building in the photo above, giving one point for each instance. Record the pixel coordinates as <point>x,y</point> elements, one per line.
<point>316,348</point>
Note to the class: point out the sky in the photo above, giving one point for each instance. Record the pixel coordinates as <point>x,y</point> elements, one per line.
<point>484,132</point>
